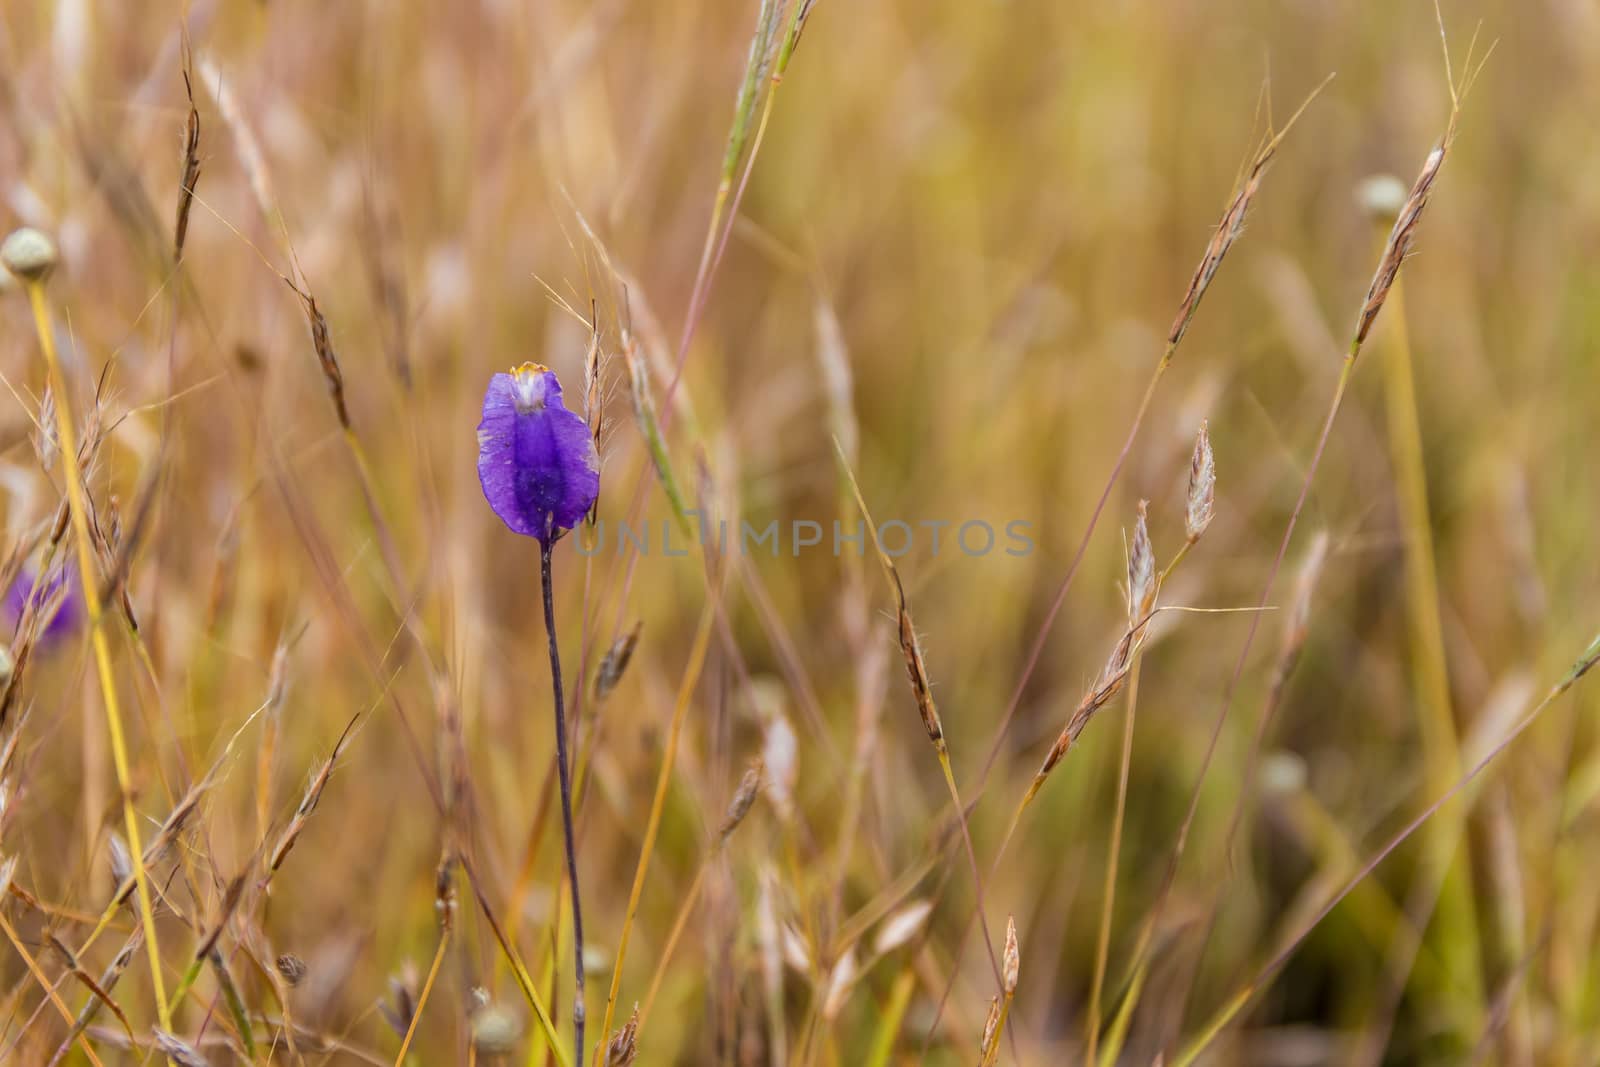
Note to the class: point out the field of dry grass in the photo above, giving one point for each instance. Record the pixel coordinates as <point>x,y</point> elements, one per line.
<point>1211,692</point>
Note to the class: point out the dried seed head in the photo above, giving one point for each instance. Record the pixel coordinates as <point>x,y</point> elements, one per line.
<point>1201,505</point>
<point>292,968</point>
<point>990,1025</point>
<point>44,434</point>
<point>916,667</point>
<point>901,926</point>
<point>28,254</point>
<point>495,1030</point>
<point>179,1051</point>
<point>624,1048</point>
<point>743,798</point>
<point>615,662</point>
<point>1011,962</point>
<point>1398,247</point>
<point>840,981</point>
<point>322,344</point>
<point>1227,231</point>
<point>402,991</point>
<point>1141,569</point>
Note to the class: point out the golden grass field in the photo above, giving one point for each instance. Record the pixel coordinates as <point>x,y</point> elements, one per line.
<point>1324,793</point>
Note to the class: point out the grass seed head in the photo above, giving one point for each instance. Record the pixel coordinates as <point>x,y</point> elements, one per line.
<point>292,969</point>
<point>991,1024</point>
<point>615,662</point>
<point>901,926</point>
<point>179,1051</point>
<point>743,798</point>
<point>495,1030</point>
<point>1200,507</point>
<point>1141,569</point>
<point>29,254</point>
<point>624,1047</point>
<point>1399,245</point>
<point>1011,962</point>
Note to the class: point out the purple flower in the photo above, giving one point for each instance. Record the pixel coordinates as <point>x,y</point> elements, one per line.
<point>54,596</point>
<point>536,460</point>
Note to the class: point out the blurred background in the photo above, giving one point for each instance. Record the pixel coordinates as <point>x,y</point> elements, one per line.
<point>952,237</point>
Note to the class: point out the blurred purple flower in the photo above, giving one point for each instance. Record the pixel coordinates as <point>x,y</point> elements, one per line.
<point>65,611</point>
<point>536,460</point>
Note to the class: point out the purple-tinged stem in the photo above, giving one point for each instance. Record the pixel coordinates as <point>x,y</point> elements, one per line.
<point>566,799</point>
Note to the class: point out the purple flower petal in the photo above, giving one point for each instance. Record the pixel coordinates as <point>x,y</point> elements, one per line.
<point>53,595</point>
<point>536,460</point>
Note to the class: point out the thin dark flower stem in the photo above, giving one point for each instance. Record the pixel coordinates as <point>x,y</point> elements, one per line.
<point>566,798</point>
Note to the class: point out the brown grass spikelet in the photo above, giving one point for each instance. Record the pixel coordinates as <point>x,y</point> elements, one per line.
<point>322,343</point>
<point>1231,225</point>
<point>744,798</point>
<point>916,668</point>
<point>1113,676</point>
<point>991,1027</point>
<point>624,1046</point>
<point>1400,242</point>
<point>179,1051</point>
<point>1201,503</point>
<point>191,168</point>
<point>291,968</point>
<point>615,662</point>
<point>308,802</point>
<point>401,1006</point>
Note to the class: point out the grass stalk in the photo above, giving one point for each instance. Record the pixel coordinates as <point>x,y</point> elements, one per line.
<point>566,799</point>
<point>1231,1008</point>
<point>691,677</point>
<point>77,500</point>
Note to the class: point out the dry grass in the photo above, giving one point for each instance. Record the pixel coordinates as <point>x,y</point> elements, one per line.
<point>285,789</point>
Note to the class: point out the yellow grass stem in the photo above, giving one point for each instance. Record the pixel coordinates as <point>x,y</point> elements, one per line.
<point>686,909</point>
<point>422,998</point>
<point>77,503</point>
<point>1448,850</point>
<point>691,677</point>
